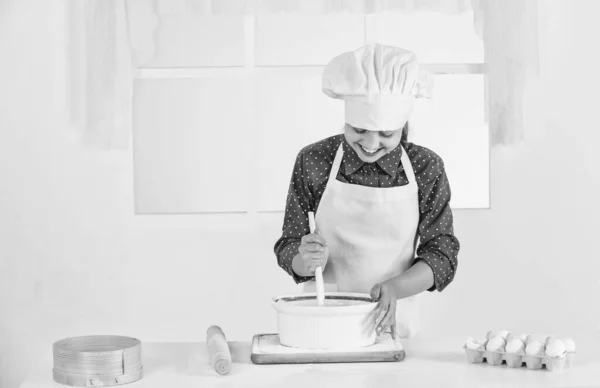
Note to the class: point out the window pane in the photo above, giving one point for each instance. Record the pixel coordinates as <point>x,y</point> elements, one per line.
<point>190,145</point>
<point>192,40</point>
<point>434,37</point>
<point>305,39</point>
<point>453,125</point>
<point>292,112</point>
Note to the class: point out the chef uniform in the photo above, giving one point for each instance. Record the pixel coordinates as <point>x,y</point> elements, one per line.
<point>372,232</point>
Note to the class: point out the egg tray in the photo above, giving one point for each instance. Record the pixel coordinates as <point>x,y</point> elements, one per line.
<point>552,364</point>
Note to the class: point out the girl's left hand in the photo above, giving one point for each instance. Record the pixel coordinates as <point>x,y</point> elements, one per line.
<point>384,313</point>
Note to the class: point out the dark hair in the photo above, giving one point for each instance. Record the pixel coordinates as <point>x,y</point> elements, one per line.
<point>405,131</point>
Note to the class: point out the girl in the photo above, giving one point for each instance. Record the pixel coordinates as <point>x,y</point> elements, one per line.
<point>381,204</point>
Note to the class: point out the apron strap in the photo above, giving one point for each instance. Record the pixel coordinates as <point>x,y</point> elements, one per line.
<point>337,162</point>
<point>410,173</point>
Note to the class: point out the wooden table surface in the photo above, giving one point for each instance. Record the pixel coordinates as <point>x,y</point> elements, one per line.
<point>429,363</point>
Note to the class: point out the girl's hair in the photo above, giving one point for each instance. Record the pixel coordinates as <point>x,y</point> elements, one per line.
<point>405,132</point>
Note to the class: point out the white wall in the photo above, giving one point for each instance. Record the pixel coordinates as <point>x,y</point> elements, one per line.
<point>74,260</point>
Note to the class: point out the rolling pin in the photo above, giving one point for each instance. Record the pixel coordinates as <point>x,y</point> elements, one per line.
<point>218,350</point>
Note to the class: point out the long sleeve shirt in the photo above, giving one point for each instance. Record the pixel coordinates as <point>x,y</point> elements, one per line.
<point>438,247</point>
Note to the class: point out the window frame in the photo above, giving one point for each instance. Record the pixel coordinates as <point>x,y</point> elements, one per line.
<point>250,70</point>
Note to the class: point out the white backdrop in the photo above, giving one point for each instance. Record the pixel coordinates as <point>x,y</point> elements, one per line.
<point>75,260</point>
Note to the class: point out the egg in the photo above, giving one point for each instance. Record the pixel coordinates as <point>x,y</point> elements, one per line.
<point>535,348</point>
<point>502,333</point>
<point>474,344</point>
<point>555,347</point>
<point>496,344</point>
<point>521,337</point>
<point>515,345</point>
<point>569,344</point>
<point>536,337</point>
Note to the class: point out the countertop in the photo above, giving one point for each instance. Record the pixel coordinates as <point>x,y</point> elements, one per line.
<point>428,362</point>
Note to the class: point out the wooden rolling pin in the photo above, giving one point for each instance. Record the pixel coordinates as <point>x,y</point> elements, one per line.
<point>218,350</point>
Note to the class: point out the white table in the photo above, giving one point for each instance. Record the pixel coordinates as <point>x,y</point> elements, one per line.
<point>428,363</point>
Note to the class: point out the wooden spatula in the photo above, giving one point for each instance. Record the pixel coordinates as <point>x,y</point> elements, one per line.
<point>318,270</point>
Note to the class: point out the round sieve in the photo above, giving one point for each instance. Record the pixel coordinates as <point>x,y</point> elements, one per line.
<point>97,360</point>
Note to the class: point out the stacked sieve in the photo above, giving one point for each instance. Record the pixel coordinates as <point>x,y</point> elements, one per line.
<point>97,361</point>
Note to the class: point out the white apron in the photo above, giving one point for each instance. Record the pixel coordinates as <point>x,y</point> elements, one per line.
<point>372,234</point>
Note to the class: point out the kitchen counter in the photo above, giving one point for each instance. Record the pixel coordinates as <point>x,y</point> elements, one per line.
<point>428,362</point>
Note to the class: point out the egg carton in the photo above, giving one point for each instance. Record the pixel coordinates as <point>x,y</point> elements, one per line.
<point>512,360</point>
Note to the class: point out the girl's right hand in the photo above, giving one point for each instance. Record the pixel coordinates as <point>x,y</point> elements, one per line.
<point>313,252</point>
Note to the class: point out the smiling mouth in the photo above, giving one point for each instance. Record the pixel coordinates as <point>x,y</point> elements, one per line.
<point>369,152</point>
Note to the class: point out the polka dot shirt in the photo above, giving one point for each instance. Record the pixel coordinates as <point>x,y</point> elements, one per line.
<point>438,247</point>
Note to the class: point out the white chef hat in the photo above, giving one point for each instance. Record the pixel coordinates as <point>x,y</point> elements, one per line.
<point>379,85</point>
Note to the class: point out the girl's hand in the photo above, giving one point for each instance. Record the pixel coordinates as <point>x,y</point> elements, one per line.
<point>384,313</point>
<point>313,252</point>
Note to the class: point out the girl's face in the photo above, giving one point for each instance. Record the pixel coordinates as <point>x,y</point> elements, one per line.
<point>371,145</point>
